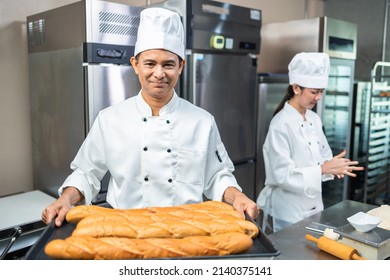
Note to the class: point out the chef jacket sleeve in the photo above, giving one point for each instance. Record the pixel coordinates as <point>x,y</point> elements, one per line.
<point>89,165</point>
<point>219,167</point>
<point>326,153</point>
<point>281,169</point>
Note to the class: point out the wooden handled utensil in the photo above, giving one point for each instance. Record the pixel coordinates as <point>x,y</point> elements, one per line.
<point>335,248</point>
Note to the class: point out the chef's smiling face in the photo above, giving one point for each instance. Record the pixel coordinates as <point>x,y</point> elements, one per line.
<point>158,72</point>
<point>305,98</point>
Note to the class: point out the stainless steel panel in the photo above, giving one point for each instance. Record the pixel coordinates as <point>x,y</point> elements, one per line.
<point>108,85</point>
<point>57,114</point>
<point>282,40</point>
<point>109,22</point>
<point>225,85</point>
<point>56,29</point>
<point>91,21</point>
<point>340,38</point>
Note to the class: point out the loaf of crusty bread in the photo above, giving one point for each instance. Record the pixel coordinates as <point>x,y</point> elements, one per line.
<point>79,212</point>
<point>208,218</point>
<point>111,248</point>
<point>121,226</point>
<point>210,209</point>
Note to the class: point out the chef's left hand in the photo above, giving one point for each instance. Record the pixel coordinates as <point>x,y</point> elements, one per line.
<point>241,202</point>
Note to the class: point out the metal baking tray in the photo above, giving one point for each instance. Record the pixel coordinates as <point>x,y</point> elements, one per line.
<point>262,246</point>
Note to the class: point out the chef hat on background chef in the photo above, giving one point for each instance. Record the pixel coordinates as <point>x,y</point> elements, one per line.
<point>309,69</point>
<point>160,29</point>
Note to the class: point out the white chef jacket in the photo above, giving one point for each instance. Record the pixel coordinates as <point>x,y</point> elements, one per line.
<point>293,151</point>
<point>164,160</point>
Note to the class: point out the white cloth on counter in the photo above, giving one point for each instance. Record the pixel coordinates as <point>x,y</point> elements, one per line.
<point>382,212</point>
<point>164,160</point>
<point>293,151</point>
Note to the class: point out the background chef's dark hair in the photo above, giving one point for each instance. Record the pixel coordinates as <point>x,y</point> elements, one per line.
<point>289,94</point>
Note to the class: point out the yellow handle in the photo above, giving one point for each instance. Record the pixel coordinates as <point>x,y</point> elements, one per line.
<point>357,257</point>
<point>311,238</point>
<point>335,248</point>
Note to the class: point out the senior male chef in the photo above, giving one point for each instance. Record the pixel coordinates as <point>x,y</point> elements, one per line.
<point>160,149</point>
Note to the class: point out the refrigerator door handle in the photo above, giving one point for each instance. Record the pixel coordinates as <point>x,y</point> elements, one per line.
<point>197,73</point>
<point>110,53</point>
<point>194,79</point>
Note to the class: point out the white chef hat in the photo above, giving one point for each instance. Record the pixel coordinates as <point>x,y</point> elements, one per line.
<point>160,29</point>
<point>309,69</point>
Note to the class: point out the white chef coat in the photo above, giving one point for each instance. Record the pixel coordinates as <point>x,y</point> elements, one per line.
<point>293,151</point>
<point>164,160</point>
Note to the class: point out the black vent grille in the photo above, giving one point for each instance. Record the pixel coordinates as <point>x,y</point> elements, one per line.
<point>119,24</point>
<point>36,32</point>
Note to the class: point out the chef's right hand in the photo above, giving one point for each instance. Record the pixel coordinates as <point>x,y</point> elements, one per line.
<point>340,166</point>
<point>58,209</point>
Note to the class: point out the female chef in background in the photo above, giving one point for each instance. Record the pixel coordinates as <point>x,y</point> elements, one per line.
<point>297,156</point>
<point>160,149</point>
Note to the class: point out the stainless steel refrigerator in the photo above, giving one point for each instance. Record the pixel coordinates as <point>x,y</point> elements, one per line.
<point>272,88</point>
<point>79,63</point>
<point>222,41</point>
<point>280,42</point>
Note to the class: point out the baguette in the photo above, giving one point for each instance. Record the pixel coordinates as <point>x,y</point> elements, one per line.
<point>79,212</point>
<point>209,208</point>
<point>104,226</point>
<point>208,218</point>
<point>129,216</point>
<point>112,248</point>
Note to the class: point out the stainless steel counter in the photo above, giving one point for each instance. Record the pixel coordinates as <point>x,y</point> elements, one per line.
<point>291,241</point>
<point>23,211</point>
